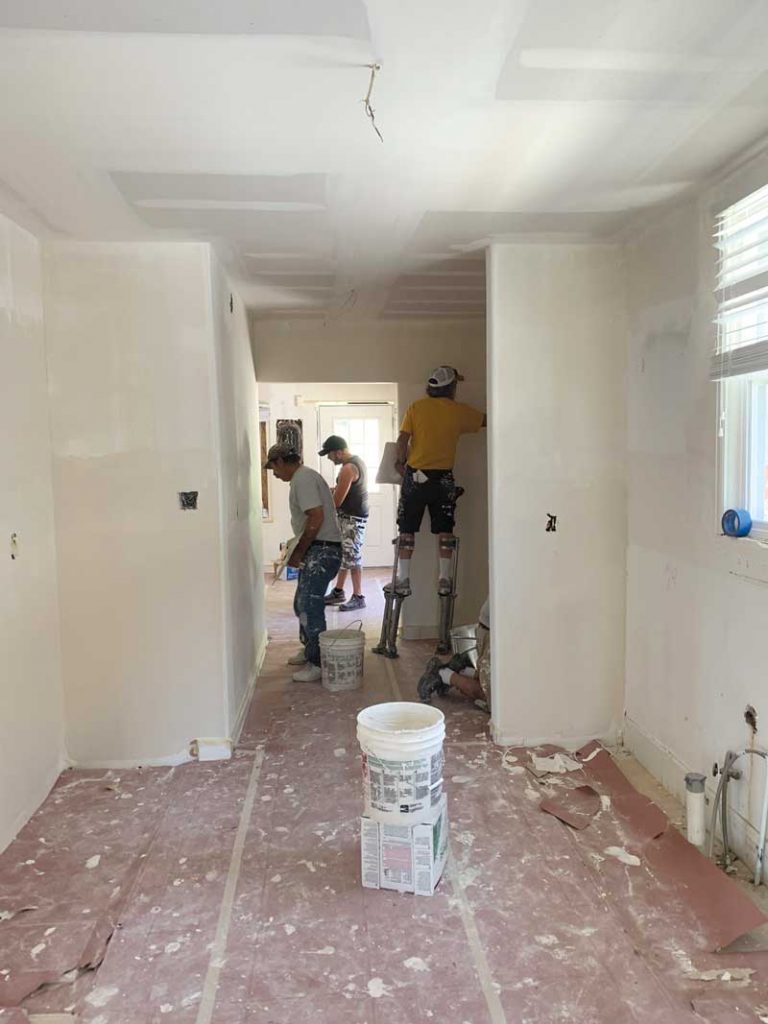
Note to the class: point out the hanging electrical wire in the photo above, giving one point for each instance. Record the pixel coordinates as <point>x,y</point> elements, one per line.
<point>375,68</point>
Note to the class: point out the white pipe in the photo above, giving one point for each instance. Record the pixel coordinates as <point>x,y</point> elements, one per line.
<point>694,808</point>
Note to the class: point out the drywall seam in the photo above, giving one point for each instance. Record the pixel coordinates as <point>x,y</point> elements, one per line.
<point>227,664</point>
<point>63,754</point>
<point>219,947</point>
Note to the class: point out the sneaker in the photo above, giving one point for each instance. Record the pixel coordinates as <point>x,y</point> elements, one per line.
<point>299,658</point>
<point>402,588</point>
<point>444,587</point>
<point>352,605</point>
<point>336,596</point>
<point>310,674</point>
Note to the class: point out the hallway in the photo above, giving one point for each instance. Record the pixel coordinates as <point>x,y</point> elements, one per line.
<point>231,890</point>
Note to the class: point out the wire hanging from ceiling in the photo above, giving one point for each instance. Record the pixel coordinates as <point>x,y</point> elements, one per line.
<point>370,112</point>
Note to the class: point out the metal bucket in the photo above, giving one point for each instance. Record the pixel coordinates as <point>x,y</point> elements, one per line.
<point>464,640</point>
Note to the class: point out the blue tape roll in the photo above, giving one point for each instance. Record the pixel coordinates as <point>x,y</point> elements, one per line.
<point>736,522</point>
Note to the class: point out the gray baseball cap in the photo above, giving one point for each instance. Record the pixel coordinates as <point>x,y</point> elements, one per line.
<point>279,451</point>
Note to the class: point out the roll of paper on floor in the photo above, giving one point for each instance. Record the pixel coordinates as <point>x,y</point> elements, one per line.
<point>694,808</point>
<point>736,522</point>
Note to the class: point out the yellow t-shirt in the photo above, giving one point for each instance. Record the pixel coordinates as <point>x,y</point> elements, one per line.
<point>435,426</point>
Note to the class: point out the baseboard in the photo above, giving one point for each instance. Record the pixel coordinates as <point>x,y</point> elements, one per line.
<point>570,742</point>
<point>420,632</point>
<point>670,771</point>
<point>167,761</point>
<point>242,711</point>
<point>9,831</point>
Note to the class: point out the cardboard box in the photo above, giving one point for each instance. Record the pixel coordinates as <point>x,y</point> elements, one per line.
<point>406,858</point>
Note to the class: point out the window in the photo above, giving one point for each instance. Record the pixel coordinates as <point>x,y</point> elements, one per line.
<point>740,362</point>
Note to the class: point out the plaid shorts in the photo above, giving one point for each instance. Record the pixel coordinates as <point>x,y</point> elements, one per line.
<point>352,537</point>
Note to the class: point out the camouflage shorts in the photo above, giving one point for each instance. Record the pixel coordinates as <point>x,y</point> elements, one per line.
<point>352,537</point>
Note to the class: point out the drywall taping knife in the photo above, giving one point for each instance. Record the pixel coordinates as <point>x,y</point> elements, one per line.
<point>290,547</point>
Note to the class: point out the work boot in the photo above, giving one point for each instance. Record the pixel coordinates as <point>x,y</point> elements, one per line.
<point>431,682</point>
<point>336,596</point>
<point>458,662</point>
<point>310,674</point>
<point>355,602</point>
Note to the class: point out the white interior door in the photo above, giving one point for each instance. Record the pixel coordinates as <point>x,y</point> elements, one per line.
<point>366,429</point>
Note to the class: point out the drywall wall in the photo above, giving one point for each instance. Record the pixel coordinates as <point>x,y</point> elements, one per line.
<point>300,401</point>
<point>697,602</point>
<point>240,496</point>
<point>133,415</point>
<point>31,712</point>
<point>404,352</point>
<point>556,364</point>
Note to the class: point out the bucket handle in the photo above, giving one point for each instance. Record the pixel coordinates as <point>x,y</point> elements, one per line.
<point>348,629</point>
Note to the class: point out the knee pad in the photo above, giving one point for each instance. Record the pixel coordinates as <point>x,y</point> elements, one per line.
<point>449,542</point>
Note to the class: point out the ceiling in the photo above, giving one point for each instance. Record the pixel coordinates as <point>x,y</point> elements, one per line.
<point>242,122</point>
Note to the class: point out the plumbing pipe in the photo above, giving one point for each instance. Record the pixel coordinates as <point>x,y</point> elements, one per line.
<point>727,773</point>
<point>694,808</point>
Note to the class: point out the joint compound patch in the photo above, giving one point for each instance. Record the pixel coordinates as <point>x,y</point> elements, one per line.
<point>621,854</point>
<point>415,963</point>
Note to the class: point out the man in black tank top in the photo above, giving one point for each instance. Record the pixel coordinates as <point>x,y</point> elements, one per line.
<point>350,495</point>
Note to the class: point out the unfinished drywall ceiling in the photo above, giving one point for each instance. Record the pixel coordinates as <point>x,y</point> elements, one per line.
<point>244,124</point>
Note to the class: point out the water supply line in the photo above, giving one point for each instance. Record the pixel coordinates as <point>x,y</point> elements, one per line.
<point>728,772</point>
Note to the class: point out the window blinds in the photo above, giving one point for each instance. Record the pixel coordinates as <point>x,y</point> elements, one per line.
<point>741,238</point>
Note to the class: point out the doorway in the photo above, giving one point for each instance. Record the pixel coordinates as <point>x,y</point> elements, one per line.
<point>365,415</point>
<point>366,429</point>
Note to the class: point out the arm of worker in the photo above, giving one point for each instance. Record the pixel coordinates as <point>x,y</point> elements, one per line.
<point>471,419</point>
<point>401,454</point>
<point>344,481</point>
<point>312,526</point>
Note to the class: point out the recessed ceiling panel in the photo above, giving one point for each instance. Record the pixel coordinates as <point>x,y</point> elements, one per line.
<point>235,17</point>
<point>310,231</point>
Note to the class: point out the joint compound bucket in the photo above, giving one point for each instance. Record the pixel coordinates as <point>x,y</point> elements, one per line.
<point>341,659</point>
<point>402,744</point>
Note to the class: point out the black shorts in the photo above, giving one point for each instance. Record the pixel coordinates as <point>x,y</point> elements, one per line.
<point>438,493</point>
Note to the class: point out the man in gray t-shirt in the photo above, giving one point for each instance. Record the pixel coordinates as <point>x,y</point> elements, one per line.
<point>317,552</point>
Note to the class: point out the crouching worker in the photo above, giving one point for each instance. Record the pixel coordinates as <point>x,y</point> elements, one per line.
<point>317,553</point>
<point>459,672</point>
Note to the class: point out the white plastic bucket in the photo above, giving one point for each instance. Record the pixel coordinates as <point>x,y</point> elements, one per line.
<point>402,744</point>
<point>341,659</point>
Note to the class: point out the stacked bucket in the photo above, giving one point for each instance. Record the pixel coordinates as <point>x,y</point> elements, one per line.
<point>404,828</point>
